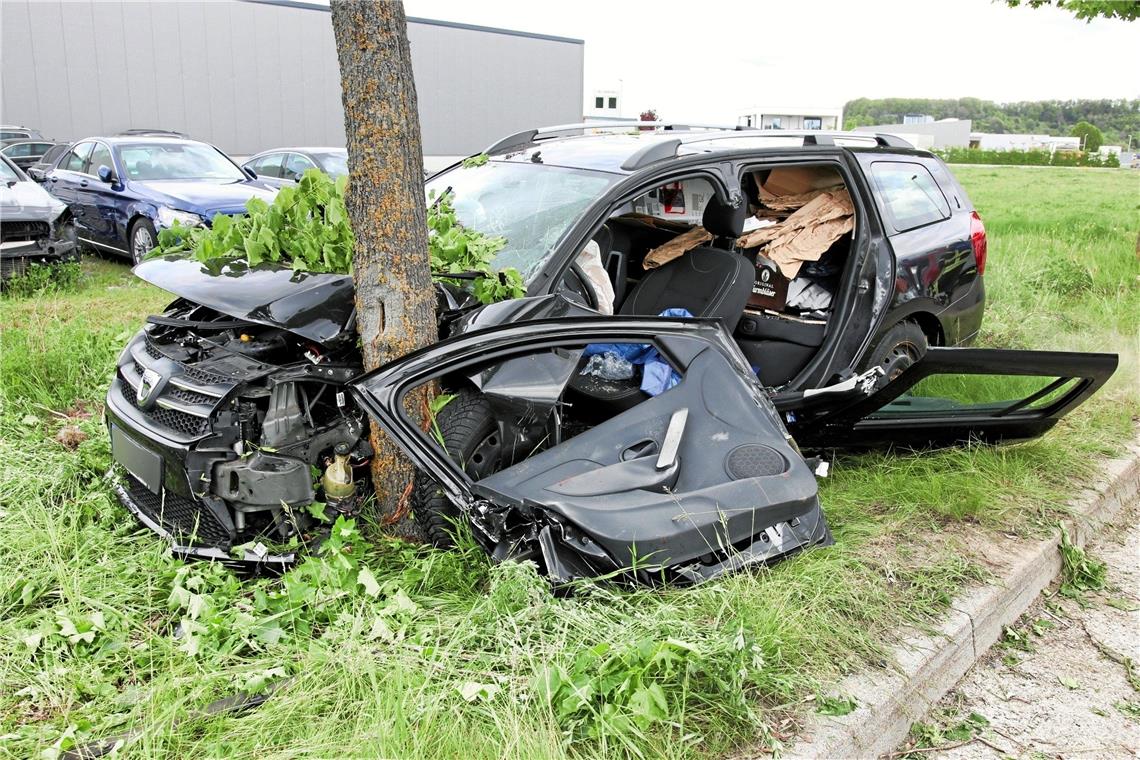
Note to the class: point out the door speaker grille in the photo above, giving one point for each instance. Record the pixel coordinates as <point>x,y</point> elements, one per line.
<point>754,460</point>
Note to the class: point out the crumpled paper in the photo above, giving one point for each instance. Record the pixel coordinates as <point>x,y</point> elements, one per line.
<point>806,234</point>
<point>683,243</point>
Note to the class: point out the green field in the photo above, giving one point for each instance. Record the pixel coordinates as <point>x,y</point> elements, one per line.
<point>384,649</point>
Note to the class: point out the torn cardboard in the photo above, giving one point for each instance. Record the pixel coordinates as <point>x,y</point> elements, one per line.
<point>806,234</point>
<point>679,245</point>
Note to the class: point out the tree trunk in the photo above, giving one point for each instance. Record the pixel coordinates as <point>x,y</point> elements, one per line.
<point>395,299</point>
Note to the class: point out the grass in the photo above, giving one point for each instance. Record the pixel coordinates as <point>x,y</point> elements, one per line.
<point>382,649</point>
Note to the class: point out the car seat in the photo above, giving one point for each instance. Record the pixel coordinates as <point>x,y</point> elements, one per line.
<point>710,282</point>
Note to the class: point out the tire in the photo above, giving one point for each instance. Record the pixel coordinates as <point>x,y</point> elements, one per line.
<point>899,348</point>
<point>471,437</point>
<point>142,230</point>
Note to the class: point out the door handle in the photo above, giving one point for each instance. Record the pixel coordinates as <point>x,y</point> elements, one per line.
<point>83,183</point>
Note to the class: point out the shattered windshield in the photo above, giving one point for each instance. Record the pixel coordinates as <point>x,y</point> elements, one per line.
<point>530,205</point>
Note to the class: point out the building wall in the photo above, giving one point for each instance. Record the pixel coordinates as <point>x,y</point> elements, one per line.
<point>248,76</point>
<point>991,141</point>
<point>783,117</point>
<point>944,134</point>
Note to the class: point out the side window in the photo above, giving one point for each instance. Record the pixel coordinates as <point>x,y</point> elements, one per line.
<point>18,150</point>
<point>100,156</point>
<point>12,135</point>
<point>268,166</point>
<point>75,159</point>
<point>295,166</point>
<point>909,196</point>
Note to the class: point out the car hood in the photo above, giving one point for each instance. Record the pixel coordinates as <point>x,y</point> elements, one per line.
<point>28,202</point>
<point>206,197</point>
<point>319,307</point>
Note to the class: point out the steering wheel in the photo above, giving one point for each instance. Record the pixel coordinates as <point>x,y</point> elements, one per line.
<point>575,283</point>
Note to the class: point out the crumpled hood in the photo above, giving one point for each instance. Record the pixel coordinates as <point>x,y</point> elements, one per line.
<point>319,307</point>
<point>204,196</point>
<point>28,202</point>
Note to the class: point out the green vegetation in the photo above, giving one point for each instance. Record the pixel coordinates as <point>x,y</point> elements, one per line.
<point>42,279</point>
<point>1027,157</point>
<point>377,648</point>
<point>1116,119</point>
<point>307,228</point>
<point>1091,137</point>
<point>1087,10</point>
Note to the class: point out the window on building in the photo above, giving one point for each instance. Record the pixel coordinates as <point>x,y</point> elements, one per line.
<point>813,122</point>
<point>599,102</point>
<point>775,123</point>
<point>909,195</point>
<point>613,102</point>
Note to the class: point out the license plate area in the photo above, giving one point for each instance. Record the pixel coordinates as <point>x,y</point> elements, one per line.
<point>144,464</point>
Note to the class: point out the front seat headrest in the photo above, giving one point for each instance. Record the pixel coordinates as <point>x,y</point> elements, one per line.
<point>723,220</point>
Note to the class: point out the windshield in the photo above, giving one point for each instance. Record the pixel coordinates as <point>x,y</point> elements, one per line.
<point>530,205</point>
<point>7,173</point>
<point>333,164</point>
<point>147,161</point>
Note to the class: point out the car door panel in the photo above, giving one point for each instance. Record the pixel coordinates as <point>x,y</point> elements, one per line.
<point>691,482</point>
<point>958,395</point>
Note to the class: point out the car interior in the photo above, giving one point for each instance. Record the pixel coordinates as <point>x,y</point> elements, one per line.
<point>778,321</point>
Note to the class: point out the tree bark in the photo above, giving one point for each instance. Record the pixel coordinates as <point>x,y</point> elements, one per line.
<point>395,299</point>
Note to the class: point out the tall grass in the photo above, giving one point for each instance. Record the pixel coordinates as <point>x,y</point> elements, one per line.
<point>445,655</point>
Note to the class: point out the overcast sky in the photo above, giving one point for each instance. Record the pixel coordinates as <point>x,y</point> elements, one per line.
<point>711,59</point>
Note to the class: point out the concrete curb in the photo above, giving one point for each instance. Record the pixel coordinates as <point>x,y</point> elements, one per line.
<point>924,668</point>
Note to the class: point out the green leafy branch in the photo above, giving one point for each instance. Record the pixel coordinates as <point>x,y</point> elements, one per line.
<point>307,228</point>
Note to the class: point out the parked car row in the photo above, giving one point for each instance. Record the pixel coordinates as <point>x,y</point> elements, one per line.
<point>122,189</point>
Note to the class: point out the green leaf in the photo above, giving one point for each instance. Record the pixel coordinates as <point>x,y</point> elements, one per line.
<point>1068,682</point>
<point>368,580</point>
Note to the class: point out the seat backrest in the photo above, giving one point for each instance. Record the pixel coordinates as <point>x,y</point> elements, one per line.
<point>709,282</point>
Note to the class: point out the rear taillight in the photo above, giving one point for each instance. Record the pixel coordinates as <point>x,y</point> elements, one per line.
<point>978,240</point>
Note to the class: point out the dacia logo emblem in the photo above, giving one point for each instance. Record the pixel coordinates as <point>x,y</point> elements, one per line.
<point>150,381</point>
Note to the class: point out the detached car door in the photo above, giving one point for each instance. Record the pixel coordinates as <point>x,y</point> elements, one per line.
<point>952,396</point>
<point>683,486</point>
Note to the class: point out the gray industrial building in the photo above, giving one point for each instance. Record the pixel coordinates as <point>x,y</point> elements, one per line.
<point>947,133</point>
<point>248,75</point>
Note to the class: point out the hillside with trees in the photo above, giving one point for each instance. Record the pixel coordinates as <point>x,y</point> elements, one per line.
<point>1116,119</point>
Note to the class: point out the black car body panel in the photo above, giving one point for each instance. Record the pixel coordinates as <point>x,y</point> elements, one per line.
<point>316,306</point>
<point>730,491</point>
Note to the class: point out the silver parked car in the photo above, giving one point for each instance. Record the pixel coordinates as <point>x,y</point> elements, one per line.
<point>284,166</point>
<point>34,226</point>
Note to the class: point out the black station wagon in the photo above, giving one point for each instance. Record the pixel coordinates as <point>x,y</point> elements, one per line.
<point>707,312</point>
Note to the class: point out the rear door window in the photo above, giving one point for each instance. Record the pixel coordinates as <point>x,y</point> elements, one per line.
<point>908,195</point>
<point>295,166</point>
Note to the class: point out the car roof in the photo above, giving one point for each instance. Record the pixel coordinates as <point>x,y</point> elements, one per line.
<point>300,150</point>
<point>141,140</point>
<point>638,144</point>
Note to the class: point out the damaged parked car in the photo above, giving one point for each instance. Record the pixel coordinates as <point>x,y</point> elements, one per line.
<point>35,228</point>
<point>707,312</point>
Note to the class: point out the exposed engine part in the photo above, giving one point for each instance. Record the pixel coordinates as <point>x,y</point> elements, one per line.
<point>284,420</point>
<point>338,484</point>
<point>264,481</point>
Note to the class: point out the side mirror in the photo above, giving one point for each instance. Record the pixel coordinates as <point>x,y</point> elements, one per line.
<point>252,174</point>
<point>106,175</point>
<point>36,174</point>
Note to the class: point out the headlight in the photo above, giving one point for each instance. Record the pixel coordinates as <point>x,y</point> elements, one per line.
<point>168,216</point>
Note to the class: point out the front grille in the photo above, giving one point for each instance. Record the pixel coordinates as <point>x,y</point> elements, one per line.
<point>181,422</point>
<point>190,397</point>
<point>184,518</point>
<point>13,231</point>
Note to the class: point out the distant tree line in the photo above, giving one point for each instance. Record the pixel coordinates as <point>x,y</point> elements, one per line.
<point>1116,119</point>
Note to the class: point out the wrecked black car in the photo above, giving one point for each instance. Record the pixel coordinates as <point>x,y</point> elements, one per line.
<point>707,312</point>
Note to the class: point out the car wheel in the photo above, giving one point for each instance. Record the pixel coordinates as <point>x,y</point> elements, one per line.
<point>900,347</point>
<point>471,437</point>
<point>141,239</point>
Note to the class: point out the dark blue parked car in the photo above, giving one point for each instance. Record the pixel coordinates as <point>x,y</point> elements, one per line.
<point>123,189</point>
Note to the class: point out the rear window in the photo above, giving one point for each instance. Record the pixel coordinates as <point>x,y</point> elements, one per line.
<point>909,196</point>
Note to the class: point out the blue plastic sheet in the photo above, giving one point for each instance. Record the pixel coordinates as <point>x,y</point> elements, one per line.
<point>657,376</point>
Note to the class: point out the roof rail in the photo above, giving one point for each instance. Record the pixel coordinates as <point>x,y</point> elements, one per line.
<point>891,141</point>
<point>651,153</point>
<point>528,136</point>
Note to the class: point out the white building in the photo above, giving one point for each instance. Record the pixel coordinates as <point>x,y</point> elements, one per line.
<point>792,117</point>
<point>991,141</point>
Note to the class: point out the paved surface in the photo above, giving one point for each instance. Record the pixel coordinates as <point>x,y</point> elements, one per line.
<point>1068,696</point>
